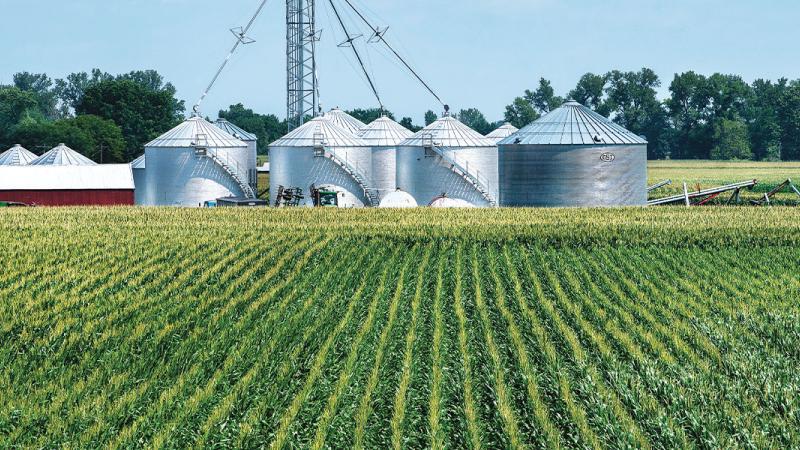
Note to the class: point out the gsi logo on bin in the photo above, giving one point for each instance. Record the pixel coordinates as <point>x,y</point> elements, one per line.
<point>607,157</point>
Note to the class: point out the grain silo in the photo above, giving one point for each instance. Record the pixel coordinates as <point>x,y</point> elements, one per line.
<point>383,135</point>
<point>193,163</point>
<point>573,157</point>
<point>321,155</point>
<point>502,132</point>
<point>344,120</point>
<point>138,167</point>
<point>62,155</point>
<point>448,158</point>
<point>16,156</point>
<point>252,146</point>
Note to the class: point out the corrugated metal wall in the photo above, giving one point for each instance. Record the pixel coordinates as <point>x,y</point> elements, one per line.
<point>573,175</point>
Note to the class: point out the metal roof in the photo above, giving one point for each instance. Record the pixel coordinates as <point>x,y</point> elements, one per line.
<point>62,156</point>
<point>43,178</point>
<point>235,130</point>
<point>195,131</point>
<point>319,130</point>
<point>138,163</point>
<point>502,132</point>
<point>448,132</point>
<point>384,132</point>
<point>344,120</point>
<point>573,124</point>
<point>16,156</point>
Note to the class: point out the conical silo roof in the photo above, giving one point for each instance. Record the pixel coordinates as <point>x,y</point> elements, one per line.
<point>448,132</point>
<point>235,131</point>
<point>502,132</point>
<point>62,156</point>
<point>138,163</point>
<point>573,124</point>
<point>344,120</point>
<point>195,131</point>
<point>16,156</point>
<point>319,130</point>
<point>384,132</point>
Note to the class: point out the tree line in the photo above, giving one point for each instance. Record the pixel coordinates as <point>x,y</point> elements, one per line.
<point>106,117</point>
<point>704,117</point>
<point>109,118</point>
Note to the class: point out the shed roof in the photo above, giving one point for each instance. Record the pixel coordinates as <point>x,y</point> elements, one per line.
<point>62,155</point>
<point>448,132</point>
<point>384,132</point>
<point>16,156</point>
<point>344,120</point>
<point>573,124</point>
<point>319,130</point>
<point>235,131</point>
<point>195,131</point>
<point>51,178</point>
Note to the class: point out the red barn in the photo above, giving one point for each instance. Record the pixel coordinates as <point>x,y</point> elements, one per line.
<point>99,185</point>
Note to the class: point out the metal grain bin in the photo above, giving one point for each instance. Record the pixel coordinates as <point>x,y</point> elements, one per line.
<point>62,155</point>
<point>138,168</point>
<point>343,120</point>
<point>448,158</point>
<point>384,135</point>
<point>320,154</point>
<point>252,147</point>
<point>16,156</point>
<point>502,132</point>
<point>193,163</point>
<point>573,157</point>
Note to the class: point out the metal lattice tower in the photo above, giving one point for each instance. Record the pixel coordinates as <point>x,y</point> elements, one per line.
<point>301,65</point>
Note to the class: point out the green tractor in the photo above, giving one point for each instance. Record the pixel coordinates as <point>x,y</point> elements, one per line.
<point>324,198</point>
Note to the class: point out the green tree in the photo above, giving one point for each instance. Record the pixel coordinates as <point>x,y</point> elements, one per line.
<point>590,92</point>
<point>543,99</point>
<point>729,96</point>
<point>475,119</point>
<point>70,90</point>
<point>41,86</point>
<point>268,128</point>
<point>687,108</point>
<point>42,136</point>
<point>408,123</point>
<point>632,99</point>
<point>430,117</point>
<point>789,120</point>
<point>731,140</point>
<point>140,111</point>
<point>96,138</point>
<point>369,115</point>
<point>108,144</point>
<point>15,105</point>
<point>520,113</point>
<point>763,122</point>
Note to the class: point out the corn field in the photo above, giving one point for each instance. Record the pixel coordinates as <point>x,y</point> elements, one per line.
<point>626,328</point>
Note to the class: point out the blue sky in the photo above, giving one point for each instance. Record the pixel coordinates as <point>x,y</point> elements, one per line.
<point>476,53</point>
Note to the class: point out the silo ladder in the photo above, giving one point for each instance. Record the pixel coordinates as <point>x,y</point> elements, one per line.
<point>464,172</point>
<point>247,190</point>
<point>370,193</point>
